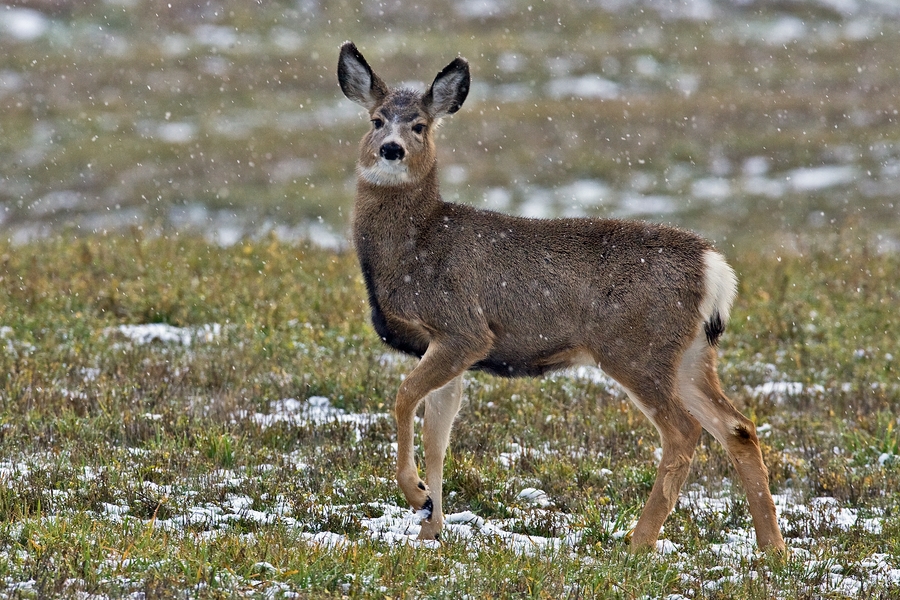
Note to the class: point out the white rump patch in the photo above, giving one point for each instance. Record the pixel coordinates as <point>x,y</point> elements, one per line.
<point>720,286</point>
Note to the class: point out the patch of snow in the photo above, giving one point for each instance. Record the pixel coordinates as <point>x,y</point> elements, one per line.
<point>538,204</point>
<point>167,334</point>
<point>217,36</point>
<point>316,410</point>
<point>55,202</point>
<point>584,87</point>
<point>593,375</point>
<point>23,24</point>
<point>480,9</point>
<point>264,566</point>
<point>114,509</point>
<point>397,525</point>
<point>10,470</point>
<point>515,452</point>
<point>497,198</point>
<point>783,31</point>
<point>780,388</point>
<point>715,188</point>
<point>587,192</point>
<point>811,179</point>
<point>887,458</point>
<point>176,133</point>
<point>535,496</point>
<point>464,518</point>
<point>764,186</point>
<point>631,205</point>
<point>23,586</point>
<point>423,514</point>
<point>396,360</point>
<point>779,391</point>
<point>325,539</point>
<point>756,166</point>
<point>666,547</point>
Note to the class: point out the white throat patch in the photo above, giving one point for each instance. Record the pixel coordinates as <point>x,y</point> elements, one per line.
<point>385,172</point>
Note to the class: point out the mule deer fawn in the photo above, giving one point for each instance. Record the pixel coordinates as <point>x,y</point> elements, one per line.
<point>463,288</point>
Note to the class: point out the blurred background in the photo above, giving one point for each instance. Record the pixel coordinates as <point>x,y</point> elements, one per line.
<point>768,124</point>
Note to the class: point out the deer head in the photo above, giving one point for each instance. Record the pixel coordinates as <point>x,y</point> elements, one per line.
<point>399,148</point>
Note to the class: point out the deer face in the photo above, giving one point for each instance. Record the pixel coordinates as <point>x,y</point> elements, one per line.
<point>398,149</point>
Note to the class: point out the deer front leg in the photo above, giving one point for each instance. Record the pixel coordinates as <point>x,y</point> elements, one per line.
<point>413,488</point>
<point>441,407</point>
<point>439,366</point>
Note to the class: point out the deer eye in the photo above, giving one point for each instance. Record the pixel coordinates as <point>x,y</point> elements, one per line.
<point>378,123</point>
<point>418,128</point>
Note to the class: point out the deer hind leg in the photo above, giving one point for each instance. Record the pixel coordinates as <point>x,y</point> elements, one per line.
<point>703,396</point>
<point>441,407</point>
<point>439,366</point>
<point>680,433</point>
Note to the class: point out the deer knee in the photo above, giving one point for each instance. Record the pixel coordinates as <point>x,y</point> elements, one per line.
<point>744,433</point>
<point>676,472</point>
<point>743,443</point>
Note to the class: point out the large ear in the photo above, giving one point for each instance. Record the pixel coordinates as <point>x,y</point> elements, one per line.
<point>449,89</point>
<point>358,82</point>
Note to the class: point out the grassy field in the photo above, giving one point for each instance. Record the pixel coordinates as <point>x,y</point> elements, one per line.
<point>183,418</point>
<point>240,446</point>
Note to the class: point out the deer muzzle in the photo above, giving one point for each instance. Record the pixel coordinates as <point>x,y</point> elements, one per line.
<point>392,151</point>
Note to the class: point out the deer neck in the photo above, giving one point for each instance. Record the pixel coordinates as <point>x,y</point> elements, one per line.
<point>389,225</point>
<point>395,215</point>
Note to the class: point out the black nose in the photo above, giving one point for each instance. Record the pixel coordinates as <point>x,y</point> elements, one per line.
<point>392,151</point>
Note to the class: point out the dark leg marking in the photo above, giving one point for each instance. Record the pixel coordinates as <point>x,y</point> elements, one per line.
<point>429,506</point>
<point>742,432</point>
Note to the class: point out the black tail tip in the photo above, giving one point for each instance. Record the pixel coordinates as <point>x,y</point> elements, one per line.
<point>714,328</point>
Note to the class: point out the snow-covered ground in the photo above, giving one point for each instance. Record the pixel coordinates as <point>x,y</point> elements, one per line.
<point>394,525</point>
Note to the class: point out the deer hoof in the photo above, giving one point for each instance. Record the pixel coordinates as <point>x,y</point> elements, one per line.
<point>430,526</point>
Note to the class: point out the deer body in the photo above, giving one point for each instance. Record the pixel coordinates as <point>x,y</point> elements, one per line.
<point>463,288</point>
<point>457,272</point>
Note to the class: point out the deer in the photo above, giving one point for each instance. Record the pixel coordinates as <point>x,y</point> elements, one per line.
<point>462,288</point>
